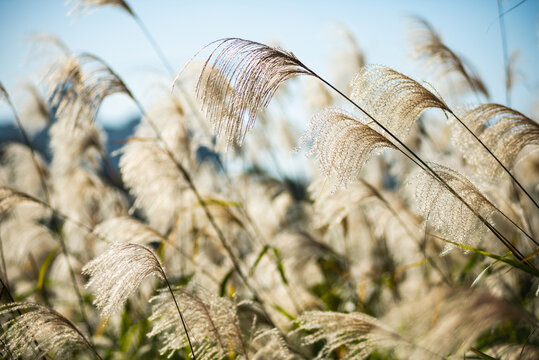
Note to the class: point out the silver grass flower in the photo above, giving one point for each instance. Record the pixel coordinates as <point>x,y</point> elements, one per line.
<point>359,334</point>
<point>268,345</point>
<point>85,6</point>
<point>35,113</point>
<point>503,130</point>
<point>392,98</point>
<point>342,144</point>
<point>239,79</point>
<point>118,272</point>
<point>349,56</point>
<point>440,60</point>
<point>78,86</point>
<point>213,323</point>
<point>333,208</point>
<point>36,330</point>
<point>445,212</point>
<point>414,329</point>
<point>86,197</point>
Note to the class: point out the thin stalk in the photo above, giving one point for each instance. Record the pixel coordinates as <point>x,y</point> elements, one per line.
<point>4,268</point>
<point>422,164</point>
<point>181,316</point>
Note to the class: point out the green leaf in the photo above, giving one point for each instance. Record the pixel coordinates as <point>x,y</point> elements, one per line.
<point>513,263</point>
<point>258,258</point>
<point>280,266</point>
<point>44,266</point>
<point>222,286</point>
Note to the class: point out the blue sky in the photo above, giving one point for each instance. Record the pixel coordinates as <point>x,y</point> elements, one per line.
<point>305,27</point>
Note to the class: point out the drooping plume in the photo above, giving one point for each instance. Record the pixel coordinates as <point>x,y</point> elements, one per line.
<point>392,98</point>
<point>78,86</point>
<point>445,212</point>
<point>238,80</point>
<point>357,334</point>
<point>414,329</point>
<point>503,130</point>
<point>36,330</point>
<point>119,271</point>
<point>214,325</point>
<point>440,60</point>
<point>342,144</point>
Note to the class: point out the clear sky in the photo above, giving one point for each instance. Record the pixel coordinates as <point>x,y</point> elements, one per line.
<point>307,28</point>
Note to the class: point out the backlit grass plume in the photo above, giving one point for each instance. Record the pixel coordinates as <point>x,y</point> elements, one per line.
<point>503,130</point>
<point>356,335</point>
<point>393,98</point>
<point>342,144</point>
<point>78,85</point>
<point>213,323</point>
<point>414,329</point>
<point>35,331</point>
<point>118,272</point>
<point>440,60</point>
<point>445,212</point>
<point>239,79</point>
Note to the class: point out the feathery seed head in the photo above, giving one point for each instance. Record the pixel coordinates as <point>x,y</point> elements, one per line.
<point>445,212</point>
<point>392,98</point>
<point>441,60</point>
<point>239,79</point>
<point>37,330</point>
<point>342,143</point>
<point>119,271</point>
<point>503,130</point>
<point>212,321</point>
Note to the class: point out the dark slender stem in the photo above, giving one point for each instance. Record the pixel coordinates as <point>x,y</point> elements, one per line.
<point>181,316</point>
<point>4,267</point>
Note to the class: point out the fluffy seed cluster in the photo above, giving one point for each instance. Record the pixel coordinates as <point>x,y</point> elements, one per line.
<point>392,98</point>
<point>36,330</point>
<point>342,144</point>
<point>239,79</point>
<point>445,212</point>
<point>503,130</point>
<point>119,271</point>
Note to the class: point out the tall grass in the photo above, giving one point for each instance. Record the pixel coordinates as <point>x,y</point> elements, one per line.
<point>412,234</point>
